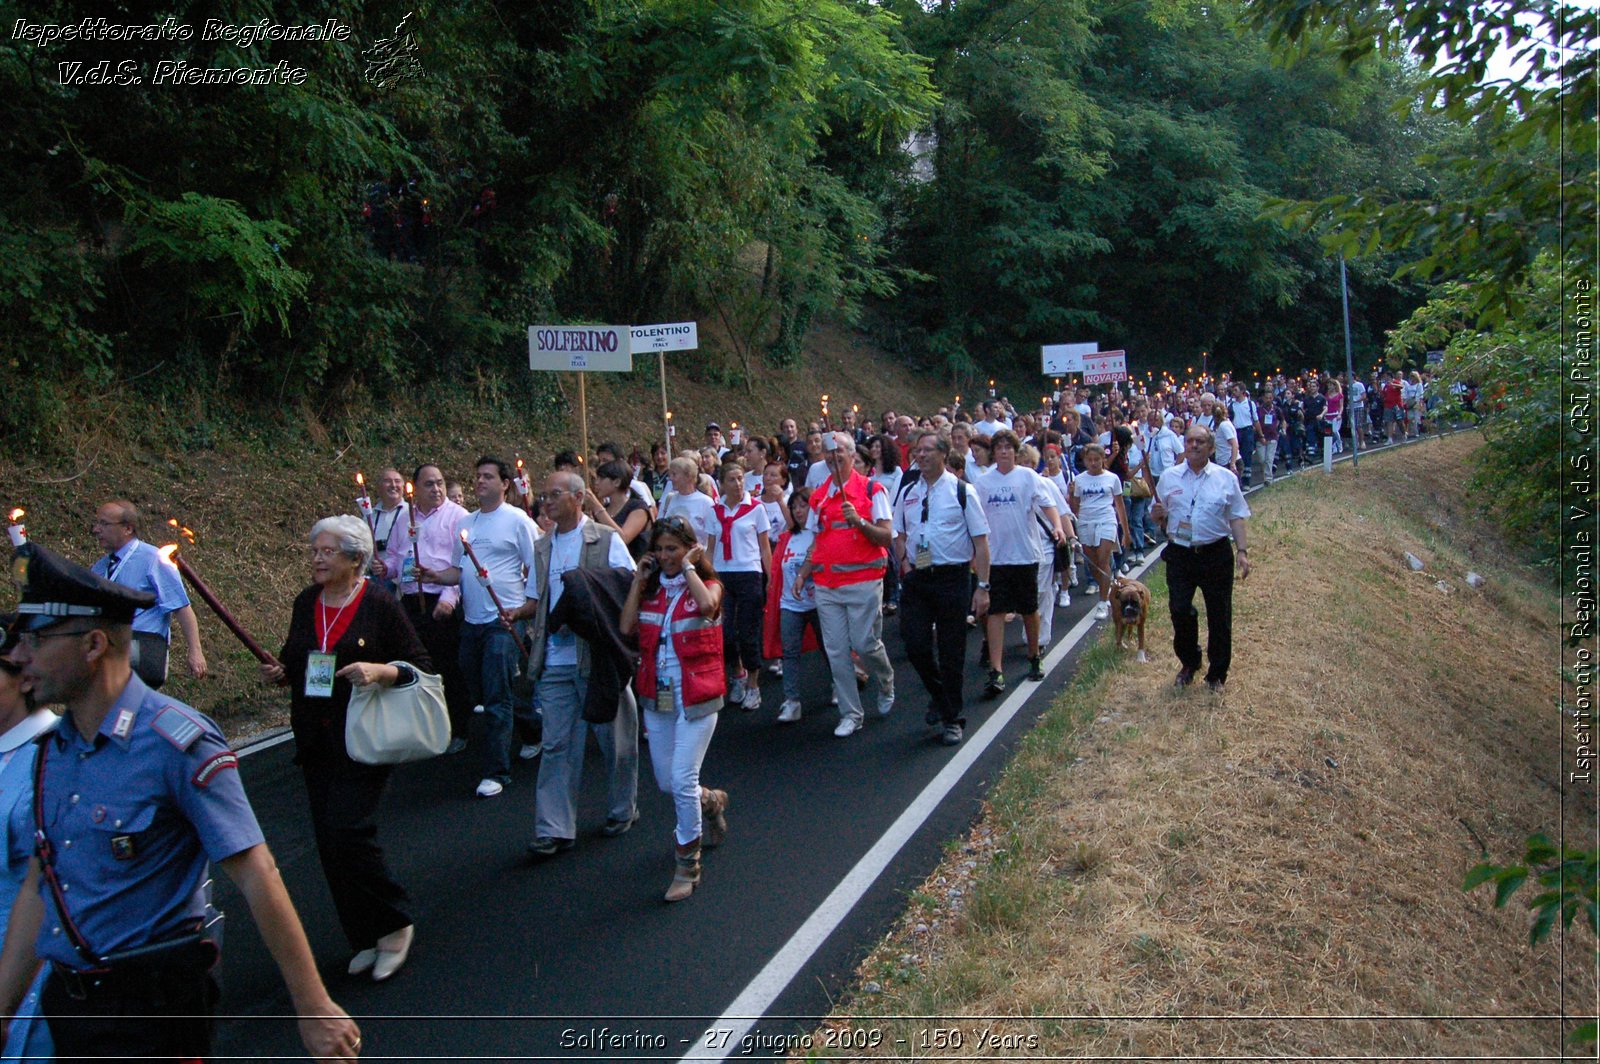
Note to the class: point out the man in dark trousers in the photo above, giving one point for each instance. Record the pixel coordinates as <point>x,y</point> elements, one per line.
<point>940,533</point>
<point>139,795</point>
<point>1201,505</point>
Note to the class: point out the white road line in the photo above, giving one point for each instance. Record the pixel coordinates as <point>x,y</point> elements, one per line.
<point>756,998</point>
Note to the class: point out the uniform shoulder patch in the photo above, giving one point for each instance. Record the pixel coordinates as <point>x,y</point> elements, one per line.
<point>208,771</point>
<point>177,727</point>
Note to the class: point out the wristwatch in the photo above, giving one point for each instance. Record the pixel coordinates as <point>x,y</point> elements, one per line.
<point>983,585</point>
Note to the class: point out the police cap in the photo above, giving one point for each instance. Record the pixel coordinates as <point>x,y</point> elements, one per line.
<point>55,589</point>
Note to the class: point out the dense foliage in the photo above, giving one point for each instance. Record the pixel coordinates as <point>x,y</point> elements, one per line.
<point>970,180</point>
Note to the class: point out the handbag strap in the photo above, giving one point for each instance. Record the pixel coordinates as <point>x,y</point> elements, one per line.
<point>47,858</point>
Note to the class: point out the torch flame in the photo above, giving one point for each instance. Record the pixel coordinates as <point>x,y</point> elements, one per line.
<point>16,515</point>
<point>187,533</point>
<point>167,552</point>
<point>463,535</point>
<point>409,489</point>
<point>519,461</point>
<point>360,480</point>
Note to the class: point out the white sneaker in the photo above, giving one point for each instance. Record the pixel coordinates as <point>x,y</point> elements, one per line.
<point>1063,598</point>
<point>528,751</point>
<point>752,698</point>
<point>847,727</point>
<point>477,709</point>
<point>790,713</point>
<point>489,788</point>
<point>1102,611</point>
<point>736,689</point>
<point>776,668</point>
<point>1092,589</point>
<point>886,704</point>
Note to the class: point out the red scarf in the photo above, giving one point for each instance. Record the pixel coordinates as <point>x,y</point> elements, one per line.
<point>728,523</point>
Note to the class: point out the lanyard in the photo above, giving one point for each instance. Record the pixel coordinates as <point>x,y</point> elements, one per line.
<point>329,626</point>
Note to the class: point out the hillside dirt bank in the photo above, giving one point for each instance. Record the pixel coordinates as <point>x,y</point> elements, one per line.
<point>1275,872</point>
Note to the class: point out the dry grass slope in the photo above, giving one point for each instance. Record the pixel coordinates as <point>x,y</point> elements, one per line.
<point>1275,872</point>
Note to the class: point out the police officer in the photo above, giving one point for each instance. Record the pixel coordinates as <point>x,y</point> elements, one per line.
<point>138,794</point>
<point>940,533</point>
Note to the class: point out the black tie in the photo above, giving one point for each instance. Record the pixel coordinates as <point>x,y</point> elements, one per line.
<point>112,561</point>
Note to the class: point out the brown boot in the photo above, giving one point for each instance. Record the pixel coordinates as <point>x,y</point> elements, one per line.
<point>714,816</point>
<point>685,873</point>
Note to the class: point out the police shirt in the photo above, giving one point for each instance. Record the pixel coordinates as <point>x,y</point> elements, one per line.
<point>1200,506</point>
<point>140,566</point>
<point>135,815</point>
<point>943,526</point>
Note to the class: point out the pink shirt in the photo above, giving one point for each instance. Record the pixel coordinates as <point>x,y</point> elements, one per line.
<point>438,534</point>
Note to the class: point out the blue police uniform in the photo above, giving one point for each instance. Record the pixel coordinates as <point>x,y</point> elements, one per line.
<point>132,818</point>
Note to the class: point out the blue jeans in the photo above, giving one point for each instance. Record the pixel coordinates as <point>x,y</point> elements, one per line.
<point>489,660</point>
<point>561,694</point>
<point>1138,511</point>
<point>1247,451</point>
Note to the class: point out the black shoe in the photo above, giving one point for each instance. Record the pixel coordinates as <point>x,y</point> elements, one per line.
<point>1215,685</point>
<point>1035,670</point>
<point>996,685</point>
<point>545,846</point>
<point>933,717</point>
<point>951,735</point>
<point>1185,678</point>
<point>613,828</point>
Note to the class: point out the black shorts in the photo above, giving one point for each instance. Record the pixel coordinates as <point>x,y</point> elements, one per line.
<point>1014,589</point>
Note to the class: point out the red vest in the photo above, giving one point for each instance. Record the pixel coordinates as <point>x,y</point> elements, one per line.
<point>843,555</point>
<point>696,639</point>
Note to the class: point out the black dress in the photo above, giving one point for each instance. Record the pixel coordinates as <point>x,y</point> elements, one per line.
<point>344,794</point>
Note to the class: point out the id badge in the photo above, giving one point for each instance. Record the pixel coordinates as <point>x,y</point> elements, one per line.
<point>924,557</point>
<point>319,675</point>
<point>408,570</point>
<point>1184,536</point>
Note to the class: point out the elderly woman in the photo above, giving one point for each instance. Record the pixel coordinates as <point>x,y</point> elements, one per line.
<point>345,630</point>
<point>28,1037</point>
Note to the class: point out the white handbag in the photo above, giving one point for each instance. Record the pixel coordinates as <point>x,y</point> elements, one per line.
<point>392,725</point>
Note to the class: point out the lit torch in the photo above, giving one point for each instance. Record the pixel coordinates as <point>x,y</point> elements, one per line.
<point>364,501</point>
<point>209,597</point>
<point>483,578</point>
<point>416,557</point>
<point>18,530</point>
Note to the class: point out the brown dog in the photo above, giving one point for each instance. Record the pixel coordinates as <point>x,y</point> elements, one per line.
<point>1130,605</point>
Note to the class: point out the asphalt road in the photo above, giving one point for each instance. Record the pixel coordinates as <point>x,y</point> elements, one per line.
<point>522,961</point>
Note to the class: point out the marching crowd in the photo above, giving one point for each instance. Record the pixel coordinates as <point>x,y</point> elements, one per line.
<point>630,593</point>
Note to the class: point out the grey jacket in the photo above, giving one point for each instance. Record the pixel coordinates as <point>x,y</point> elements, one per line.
<point>594,554</point>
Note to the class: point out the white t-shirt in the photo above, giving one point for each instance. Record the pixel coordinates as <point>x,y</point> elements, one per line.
<point>1009,500</point>
<point>694,508</point>
<point>1058,499</point>
<point>502,539</point>
<point>740,552</point>
<point>1097,498</point>
<point>1245,412</point>
<point>777,517</point>
<point>794,556</point>
<point>891,482</point>
<point>1227,436</point>
<point>989,428</point>
<point>817,474</point>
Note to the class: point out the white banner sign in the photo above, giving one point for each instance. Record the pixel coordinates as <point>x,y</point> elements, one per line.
<point>1060,359</point>
<point>1103,366</point>
<point>586,348</point>
<point>676,336</point>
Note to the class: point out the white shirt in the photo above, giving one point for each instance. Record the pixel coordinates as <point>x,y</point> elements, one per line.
<point>989,428</point>
<point>1166,450</point>
<point>818,473</point>
<point>1205,502</point>
<point>777,517</point>
<point>694,508</point>
<point>1245,412</point>
<point>753,483</point>
<point>641,489</point>
<point>566,553</point>
<point>881,505</point>
<point>502,539</point>
<point>741,551</point>
<point>1009,500</point>
<point>1097,498</point>
<point>949,529</point>
<point>794,556</point>
<point>1226,435</point>
<point>891,482</point>
<point>1058,499</point>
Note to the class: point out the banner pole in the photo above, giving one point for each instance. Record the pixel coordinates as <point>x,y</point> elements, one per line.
<point>583,425</point>
<point>666,422</point>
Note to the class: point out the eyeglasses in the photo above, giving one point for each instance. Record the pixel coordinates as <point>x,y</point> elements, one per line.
<point>547,496</point>
<point>98,523</point>
<point>31,640</point>
<point>325,552</point>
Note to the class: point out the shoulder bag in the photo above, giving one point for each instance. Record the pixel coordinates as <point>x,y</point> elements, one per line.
<point>393,725</point>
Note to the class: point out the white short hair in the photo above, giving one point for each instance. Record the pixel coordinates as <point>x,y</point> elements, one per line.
<point>353,534</point>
